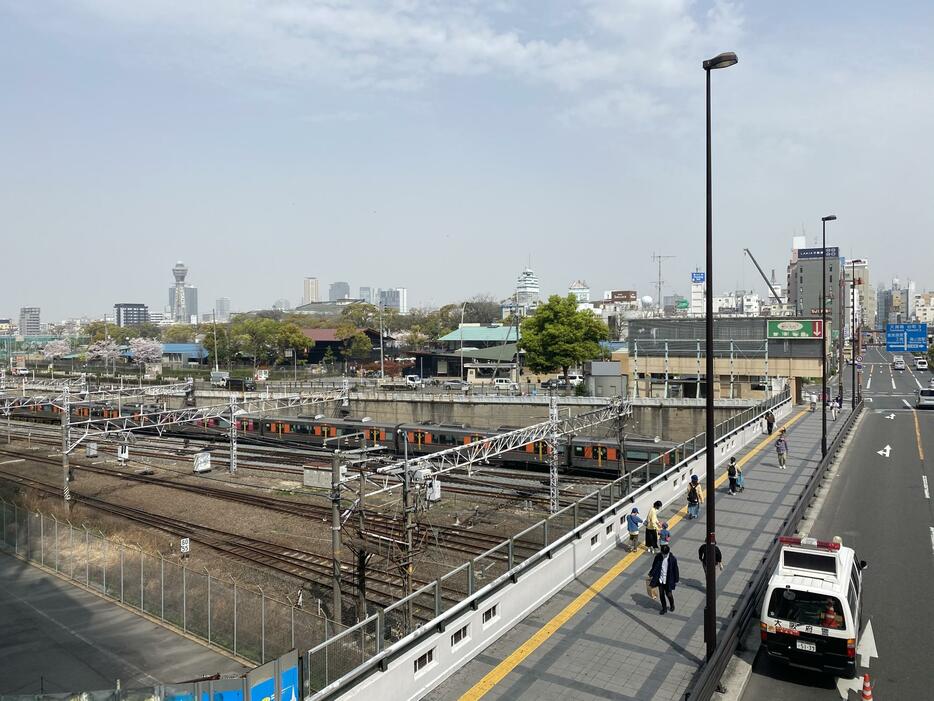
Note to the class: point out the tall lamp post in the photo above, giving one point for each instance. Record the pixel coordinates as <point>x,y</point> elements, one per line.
<point>724,60</point>
<point>823,355</point>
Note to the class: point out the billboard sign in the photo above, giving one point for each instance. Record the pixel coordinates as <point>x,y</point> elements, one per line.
<point>623,295</point>
<point>811,253</point>
<point>794,328</point>
<point>681,304</point>
<point>698,277</point>
<point>908,338</point>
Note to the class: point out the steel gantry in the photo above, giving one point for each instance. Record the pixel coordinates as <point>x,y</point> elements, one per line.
<point>100,427</point>
<point>464,457</point>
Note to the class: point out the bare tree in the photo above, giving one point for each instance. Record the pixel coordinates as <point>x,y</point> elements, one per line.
<point>56,349</point>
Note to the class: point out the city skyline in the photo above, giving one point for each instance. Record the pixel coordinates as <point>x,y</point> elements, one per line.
<point>575,129</point>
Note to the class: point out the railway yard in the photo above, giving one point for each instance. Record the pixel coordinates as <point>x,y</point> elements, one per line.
<point>265,527</point>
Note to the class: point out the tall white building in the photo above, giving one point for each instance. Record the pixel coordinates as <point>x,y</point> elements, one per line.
<point>528,292</point>
<point>310,292</point>
<point>581,290</point>
<point>222,309</point>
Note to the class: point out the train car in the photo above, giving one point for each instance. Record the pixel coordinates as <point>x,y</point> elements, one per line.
<point>603,455</point>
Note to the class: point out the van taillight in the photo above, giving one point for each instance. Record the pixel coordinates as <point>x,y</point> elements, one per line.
<point>762,631</point>
<point>851,647</point>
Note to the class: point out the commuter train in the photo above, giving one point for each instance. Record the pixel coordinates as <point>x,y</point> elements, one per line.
<point>577,453</point>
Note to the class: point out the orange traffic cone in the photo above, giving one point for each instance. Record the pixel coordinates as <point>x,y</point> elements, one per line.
<point>867,688</point>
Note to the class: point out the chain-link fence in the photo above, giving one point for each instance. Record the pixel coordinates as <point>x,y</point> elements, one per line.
<point>223,612</point>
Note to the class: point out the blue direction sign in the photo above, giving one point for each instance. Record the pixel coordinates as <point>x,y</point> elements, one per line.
<point>698,277</point>
<point>908,338</point>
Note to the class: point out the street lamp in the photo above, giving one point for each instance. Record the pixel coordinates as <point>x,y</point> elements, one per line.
<point>724,60</point>
<point>463,309</point>
<point>823,355</point>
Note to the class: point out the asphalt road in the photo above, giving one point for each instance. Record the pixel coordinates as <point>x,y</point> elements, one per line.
<point>879,507</point>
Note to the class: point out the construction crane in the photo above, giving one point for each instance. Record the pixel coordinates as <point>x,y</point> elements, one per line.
<point>756,263</point>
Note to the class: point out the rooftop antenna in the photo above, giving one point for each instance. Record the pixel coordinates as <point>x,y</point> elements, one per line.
<point>660,259</point>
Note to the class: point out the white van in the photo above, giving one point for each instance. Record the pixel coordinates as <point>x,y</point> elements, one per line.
<point>504,383</point>
<point>811,613</point>
<point>921,363</point>
<point>574,379</point>
<point>898,363</point>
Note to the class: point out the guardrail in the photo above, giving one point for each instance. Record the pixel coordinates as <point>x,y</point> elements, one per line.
<point>707,679</point>
<point>388,635</point>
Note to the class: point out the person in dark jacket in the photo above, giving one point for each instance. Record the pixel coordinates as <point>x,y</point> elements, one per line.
<point>702,556</point>
<point>664,575</point>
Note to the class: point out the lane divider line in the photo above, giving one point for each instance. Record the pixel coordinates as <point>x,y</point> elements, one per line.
<point>918,435</point>
<point>500,671</point>
<point>932,539</point>
<point>924,483</point>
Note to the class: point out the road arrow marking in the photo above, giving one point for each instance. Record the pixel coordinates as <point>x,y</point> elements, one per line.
<point>886,451</point>
<point>866,649</point>
<point>844,686</point>
<point>891,417</point>
<point>924,482</point>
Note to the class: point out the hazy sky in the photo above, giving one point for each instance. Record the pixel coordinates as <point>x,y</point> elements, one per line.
<point>440,146</point>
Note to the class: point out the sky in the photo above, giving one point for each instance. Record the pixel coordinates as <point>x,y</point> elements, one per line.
<point>444,146</point>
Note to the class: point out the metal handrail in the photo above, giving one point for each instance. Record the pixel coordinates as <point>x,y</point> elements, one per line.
<point>707,679</point>
<point>383,656</point>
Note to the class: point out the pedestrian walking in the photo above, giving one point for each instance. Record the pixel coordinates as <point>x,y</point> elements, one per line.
<point>664,535</point>
<point>633,520</point>
<point>702,556</point>
<point>651,528</point>
<point>769,421</point>
<point>695,498</point>
<point>732,472</point>
<point>781,447</point>
<point>833,409</point>
<point>664,575</point>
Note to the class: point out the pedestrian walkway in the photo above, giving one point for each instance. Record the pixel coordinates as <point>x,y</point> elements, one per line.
<point>602,637</point>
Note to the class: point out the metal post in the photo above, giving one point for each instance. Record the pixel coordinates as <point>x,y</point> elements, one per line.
<point>232,464</point>
<point>336,547</point>
<point>185,603</point>
<point>41,536</point>
<point>162,585</point>
<point>823,354</point>
<point>408,512</point>
<point>635,369</point>
<point>382,371</point>
<point>56,542</point>
<point>209,602</point>
<point>235,616</point>
<point>853,336</point>
<point>262,605</point>
<point>141,580</point>
<point>553,500</point>
<point>87,556</point>
<point>122,553</point>
<point>666,370</point>
<point>15,530</point>
<point>710,612</point>
<point>732,375</point>
<point>697,393</point>
<point>66,468</point>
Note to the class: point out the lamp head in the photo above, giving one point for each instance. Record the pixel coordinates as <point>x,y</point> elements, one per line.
<point>829,217</point>
<point>724,60</point>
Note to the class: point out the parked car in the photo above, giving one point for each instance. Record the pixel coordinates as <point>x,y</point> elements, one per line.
<point>555,383</point>
<point>19,371</point>
<point>461,385</point>
<point>574,379</point>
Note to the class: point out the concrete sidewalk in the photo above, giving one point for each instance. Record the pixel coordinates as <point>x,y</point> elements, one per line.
<point>618,646</point>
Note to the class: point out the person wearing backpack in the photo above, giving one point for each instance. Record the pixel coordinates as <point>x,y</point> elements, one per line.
<point>732,471</point>
<point>695,498</point>
<point>781,448</point>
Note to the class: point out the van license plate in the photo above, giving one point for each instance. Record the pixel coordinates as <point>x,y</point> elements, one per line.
<point>806,646</point>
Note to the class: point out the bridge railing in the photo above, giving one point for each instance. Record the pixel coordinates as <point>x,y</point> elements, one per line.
<point>391,633</point>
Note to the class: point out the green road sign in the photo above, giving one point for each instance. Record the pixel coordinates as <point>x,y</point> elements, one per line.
<point>794,328</point>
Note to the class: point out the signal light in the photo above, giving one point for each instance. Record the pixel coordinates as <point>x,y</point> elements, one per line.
<point>813,542</point>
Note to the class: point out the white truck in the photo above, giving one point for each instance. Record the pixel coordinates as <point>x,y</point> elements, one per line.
<point>219,378</point>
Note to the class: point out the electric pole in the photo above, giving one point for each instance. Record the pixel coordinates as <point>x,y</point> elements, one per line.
<point>336,548</point>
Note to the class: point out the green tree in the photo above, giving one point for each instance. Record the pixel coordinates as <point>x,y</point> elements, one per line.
<point>178,333</point>
<point>358,347</point>
<point>360,315</point>
<point>559,336</point>
<point>224,351</point>
<point>482,309</point>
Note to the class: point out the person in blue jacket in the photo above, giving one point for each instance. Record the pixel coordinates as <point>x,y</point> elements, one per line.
<point>664,575</point>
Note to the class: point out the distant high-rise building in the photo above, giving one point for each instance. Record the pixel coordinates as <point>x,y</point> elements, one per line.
<point>29,324</point>
<point>366,294</point>
<point>864,300</point>
<point>805,273</point>
<point>128,314</point>
<point>310,293</point>
<point>396,298</point>
<point>338,290</point>
<point>183,299</point>
<point>222,309</point>
<point>525,299</point>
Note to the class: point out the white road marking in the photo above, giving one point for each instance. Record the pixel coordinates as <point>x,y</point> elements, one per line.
<point>8,462</point>
<point>924,483</point>
<point>869,381</point>
<point>891,417</point>
<point>906,403</point>
<point>893,379</point>
<point>845,686</point>
<point>866,649</point>
<point>932,538</point>
<point>886,451</point>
